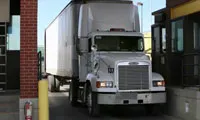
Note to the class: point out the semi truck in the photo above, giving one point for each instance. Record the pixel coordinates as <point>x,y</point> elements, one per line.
<point>98,46</point>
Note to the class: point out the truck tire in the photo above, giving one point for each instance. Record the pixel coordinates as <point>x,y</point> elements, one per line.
<point>53,84</point>
<point>92,104</point>
<point>73,92</point>
<point>57,85</point>
<point>50,83</point>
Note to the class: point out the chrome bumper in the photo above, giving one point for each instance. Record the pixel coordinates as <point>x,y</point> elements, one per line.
<point>131,98</point>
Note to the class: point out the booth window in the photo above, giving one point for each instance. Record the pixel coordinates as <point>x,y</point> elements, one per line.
<point>163,39</point>
<point>13,42</point>
<point>156,38</point>
<point>177,36</point>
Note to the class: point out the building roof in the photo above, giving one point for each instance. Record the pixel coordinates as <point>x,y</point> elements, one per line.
<point>161,11</point>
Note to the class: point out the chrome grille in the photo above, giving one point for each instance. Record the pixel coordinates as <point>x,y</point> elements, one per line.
<point>133,77</point>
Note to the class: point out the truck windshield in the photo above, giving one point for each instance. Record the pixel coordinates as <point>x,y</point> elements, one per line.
<point>119,43</point>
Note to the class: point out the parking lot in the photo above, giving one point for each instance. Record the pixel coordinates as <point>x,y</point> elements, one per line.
<point>60,109</point>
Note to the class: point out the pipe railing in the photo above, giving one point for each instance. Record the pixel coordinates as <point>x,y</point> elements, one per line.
<point>39,65</point>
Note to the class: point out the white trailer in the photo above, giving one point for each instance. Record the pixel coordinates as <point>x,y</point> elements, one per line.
<point>97,45</point>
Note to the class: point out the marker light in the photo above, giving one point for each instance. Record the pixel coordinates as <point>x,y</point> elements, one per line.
<point>104,84</point>
<point>158,83</point>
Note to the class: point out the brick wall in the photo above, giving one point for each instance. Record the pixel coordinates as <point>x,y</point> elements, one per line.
<point>28,49</point>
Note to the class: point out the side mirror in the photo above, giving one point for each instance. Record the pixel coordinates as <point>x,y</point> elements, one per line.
<point>94,48</point>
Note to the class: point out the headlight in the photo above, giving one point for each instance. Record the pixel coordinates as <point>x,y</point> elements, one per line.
<point>158,83</point>
<point>104,84</point>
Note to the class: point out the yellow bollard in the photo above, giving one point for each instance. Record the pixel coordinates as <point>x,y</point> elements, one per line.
<point>43,101</point>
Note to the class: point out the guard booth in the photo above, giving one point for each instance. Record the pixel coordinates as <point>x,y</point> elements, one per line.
<point>159,43</point>
<point>176,55</point>
<point>9,45</point>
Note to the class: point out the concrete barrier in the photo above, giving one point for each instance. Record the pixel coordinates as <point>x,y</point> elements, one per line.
<point>183,103</point>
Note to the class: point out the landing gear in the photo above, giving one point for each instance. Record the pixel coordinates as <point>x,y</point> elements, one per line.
<point>53,84</point>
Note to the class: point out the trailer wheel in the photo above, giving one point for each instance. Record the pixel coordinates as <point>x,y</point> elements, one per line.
<point>73,92</point>
<point>56,84</point>
<point>53,84</point>
<point>93,107</point>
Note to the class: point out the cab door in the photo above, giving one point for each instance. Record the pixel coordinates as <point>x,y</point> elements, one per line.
<point>159,49</point>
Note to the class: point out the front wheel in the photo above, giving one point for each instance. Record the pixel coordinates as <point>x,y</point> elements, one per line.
<point>93,106</point>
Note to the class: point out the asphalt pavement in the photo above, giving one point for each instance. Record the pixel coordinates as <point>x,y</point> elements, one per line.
<point>60,109</point>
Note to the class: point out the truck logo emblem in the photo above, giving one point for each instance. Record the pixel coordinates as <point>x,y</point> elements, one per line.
<point>110,70</point>
<point>133,63</point>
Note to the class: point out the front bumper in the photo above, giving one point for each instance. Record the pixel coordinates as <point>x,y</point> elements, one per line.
<point>131,98</point>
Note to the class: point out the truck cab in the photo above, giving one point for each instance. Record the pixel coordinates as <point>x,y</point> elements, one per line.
<point>119,72</point>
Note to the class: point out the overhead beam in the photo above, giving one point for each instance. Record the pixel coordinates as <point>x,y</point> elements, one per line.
<point>188,8</point>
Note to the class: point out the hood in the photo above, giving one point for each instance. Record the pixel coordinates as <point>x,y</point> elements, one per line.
<point>111,58</point>
<point>108,60</point>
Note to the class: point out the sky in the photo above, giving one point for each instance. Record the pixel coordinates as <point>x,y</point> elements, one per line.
<point>49,9</point>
